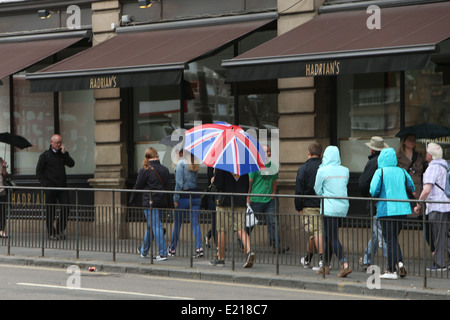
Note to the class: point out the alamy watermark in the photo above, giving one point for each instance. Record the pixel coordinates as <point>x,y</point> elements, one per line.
<point>74,279</point>
<point>74,20</point>
<point>374,21</point>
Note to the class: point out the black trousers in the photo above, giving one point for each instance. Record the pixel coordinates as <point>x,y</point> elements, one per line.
<point>52,197</point>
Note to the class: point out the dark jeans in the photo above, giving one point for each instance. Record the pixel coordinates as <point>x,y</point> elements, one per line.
<point>391,227</point>
<point>331,241</point>
<point>52,197</point>
<point>271,219</point>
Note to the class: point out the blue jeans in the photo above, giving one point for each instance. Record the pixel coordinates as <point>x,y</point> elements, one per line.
<point>271,218</point>
<point>154,227</point>
<point>331,241</point>
<point>377,236</point>
<point>391,227</point>
<point>178,214</point>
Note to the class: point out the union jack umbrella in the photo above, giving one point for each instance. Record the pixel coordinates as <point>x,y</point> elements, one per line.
<point>226,147</point>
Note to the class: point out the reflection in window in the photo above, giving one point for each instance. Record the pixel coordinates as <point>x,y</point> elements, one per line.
<point>4,117</point>
<point>428,100</point>
<point>368,105</point>
<point>156,113</point>
<point>33,119</point>
<point>76,118</point>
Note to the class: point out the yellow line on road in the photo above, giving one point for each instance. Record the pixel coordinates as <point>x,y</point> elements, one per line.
<point>102,291</point>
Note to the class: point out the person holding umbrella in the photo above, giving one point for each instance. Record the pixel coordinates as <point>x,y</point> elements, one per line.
<point>3,198</point>
<point>231,216</point>
<point>51,172</point>
<point>412,161</point>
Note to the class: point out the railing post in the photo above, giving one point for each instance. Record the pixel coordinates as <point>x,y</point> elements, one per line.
<point>275,221</point>
<point>43,204</point>
<point>232,241</point>
<point>9,221</point>
<point>150,229</point>
<point>77,227</point>
<point>424,246</point>
<point>324,236</point>
<point>191,215</point>
<point>114,224</point>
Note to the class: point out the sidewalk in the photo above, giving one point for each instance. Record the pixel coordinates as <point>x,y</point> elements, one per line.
<point>411,287</point>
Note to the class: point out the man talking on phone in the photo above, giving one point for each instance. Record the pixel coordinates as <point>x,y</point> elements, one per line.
<point>51,172</point>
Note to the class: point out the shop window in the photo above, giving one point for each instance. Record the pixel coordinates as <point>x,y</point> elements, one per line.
<point>4,118</point>
<point>156,113</point>
<point>427,99</point>
<point>367,105</point>
<point>34,120</point>
<point>76,119</point>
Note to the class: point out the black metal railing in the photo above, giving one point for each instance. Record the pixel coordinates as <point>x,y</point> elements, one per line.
<point>278,239</point>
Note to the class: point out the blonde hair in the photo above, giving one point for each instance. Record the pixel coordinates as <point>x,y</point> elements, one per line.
<point>150,153</point>
<point>192,166</point>
<point>434,150</point>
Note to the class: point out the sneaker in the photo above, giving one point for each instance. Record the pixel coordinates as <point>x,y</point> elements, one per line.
<point>217,263</point>
<point>320,266</point>
<point>389,276</point>
<point>139,252</point>
<point>161,258</point>
<point>436,268</point>
<point>327,270</point>
<point>250,260</point>
<point>198,253</point>
<point>305,263</point>
<point>344,272</point>
<point>171,252</point>
<point>401,270</point>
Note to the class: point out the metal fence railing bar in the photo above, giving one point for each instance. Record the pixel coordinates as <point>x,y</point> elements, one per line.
<point>277,239</point>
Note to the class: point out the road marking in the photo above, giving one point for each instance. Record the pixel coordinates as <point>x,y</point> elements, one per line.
<point>103,291</point>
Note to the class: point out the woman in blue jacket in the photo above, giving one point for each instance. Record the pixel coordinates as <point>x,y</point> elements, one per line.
<point>186,180</point>
<point>390,182</point>
<point>331,181</point>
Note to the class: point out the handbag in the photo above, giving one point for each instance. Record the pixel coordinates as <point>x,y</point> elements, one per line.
<point>205,196</point>
<point>169,203</point>
<point>250,218</point>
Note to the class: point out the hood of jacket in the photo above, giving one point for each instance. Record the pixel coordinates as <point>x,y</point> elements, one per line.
<point>331,157</point>
<point>387,158</point>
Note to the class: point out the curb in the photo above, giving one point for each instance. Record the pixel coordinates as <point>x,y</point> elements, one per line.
<point>330,284</point>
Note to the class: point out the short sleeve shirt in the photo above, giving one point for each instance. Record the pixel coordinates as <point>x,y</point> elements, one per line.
<point>436,174</point>
<point>262,182</point>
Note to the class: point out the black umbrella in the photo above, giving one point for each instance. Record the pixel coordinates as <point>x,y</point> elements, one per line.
<point>425,131</point>
<point>172,141</point>
<point>14,140</point>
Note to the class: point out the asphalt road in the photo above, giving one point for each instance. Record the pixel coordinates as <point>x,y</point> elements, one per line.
<point>37,283</point>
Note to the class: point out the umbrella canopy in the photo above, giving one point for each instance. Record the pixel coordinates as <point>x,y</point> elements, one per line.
<point>425,131</point>
<point>226,147</point>
<point>14,140</point>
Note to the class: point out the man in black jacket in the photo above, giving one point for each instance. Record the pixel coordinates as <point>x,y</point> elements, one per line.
<point>309,208</point>
<point>375,145</point>
<point>231,216</point>
<point>51,172</point>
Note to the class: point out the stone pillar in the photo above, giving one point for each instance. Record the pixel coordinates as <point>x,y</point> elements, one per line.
<point>110,150</point>
<point>296,110</point>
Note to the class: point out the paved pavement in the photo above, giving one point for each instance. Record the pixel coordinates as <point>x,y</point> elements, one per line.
<point>411,287</point>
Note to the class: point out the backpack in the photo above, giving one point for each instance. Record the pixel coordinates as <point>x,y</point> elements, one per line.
<point>447,181</point>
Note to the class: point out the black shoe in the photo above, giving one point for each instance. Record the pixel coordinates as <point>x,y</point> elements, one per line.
<point>250,260</point>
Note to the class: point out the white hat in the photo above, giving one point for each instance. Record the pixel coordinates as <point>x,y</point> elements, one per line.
<point>377,144</point>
